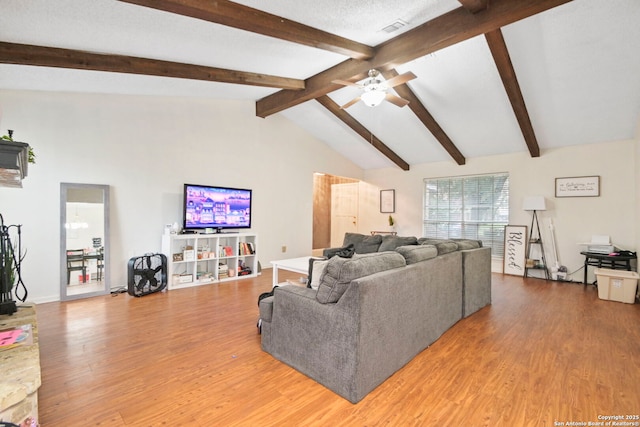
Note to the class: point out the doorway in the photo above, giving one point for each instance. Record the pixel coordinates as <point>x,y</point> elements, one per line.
<point>335,210</point>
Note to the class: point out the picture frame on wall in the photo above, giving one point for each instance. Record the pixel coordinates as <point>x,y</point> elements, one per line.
<point>578,186</point>
<point>515,249</point>
<point>387,201</point>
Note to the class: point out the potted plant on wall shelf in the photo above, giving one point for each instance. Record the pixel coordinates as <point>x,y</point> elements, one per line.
<point>392,223</point>
<point>14,160</point>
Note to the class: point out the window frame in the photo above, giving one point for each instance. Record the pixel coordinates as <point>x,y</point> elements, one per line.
<point>465,212</point>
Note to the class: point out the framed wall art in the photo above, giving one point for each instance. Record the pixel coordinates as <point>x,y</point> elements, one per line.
<point>387,201</point>
<point>578,186</point>
<point>515,249</point>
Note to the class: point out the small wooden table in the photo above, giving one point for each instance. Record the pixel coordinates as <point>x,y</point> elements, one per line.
<point>614,262</point>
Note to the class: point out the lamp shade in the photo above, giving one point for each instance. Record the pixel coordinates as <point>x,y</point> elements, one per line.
<point>373,98</point>
<point>534,203</point>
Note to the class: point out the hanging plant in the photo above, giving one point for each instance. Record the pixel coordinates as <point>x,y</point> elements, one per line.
<point>31,154</point>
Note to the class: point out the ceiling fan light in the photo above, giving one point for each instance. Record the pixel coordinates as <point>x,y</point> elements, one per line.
<point>373,98</point>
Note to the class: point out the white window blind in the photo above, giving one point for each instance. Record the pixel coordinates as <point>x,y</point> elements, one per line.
<point>468,207</point>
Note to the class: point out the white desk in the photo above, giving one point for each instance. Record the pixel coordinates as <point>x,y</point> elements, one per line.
<point>298,265</point>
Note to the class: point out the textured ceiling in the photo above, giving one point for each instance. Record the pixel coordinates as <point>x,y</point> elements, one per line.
<point>577,66</point>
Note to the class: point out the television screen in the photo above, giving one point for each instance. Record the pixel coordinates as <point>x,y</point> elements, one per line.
<point>216,207</point>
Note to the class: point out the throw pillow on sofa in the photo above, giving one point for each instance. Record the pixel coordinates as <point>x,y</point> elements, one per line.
<point>316,268</point>
<point>363,244</point>
<point>339,272</point>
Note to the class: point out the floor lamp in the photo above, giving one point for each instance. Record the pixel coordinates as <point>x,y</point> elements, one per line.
<point>535,204</point>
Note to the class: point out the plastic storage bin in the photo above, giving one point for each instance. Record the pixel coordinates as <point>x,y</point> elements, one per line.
<point>617,285</point>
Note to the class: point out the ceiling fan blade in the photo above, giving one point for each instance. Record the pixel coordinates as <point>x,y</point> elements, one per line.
<point>350,103</point>
<point>402,78</point>
<point>346,83</point>
<point>396,100</point>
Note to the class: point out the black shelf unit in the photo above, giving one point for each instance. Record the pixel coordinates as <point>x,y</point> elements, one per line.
<point>535,239</point>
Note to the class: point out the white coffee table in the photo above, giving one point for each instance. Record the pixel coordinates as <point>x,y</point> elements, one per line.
<point>298,265</point>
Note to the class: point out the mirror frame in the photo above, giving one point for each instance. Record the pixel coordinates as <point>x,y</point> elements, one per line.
<point>64,188</point>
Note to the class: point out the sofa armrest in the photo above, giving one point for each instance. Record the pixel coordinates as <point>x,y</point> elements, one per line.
<point>476,273</point>
<point>266,309</point>
<point>317,339</point>
<point>297,309</point>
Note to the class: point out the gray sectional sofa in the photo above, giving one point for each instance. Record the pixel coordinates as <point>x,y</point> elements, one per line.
<point>372,313</point>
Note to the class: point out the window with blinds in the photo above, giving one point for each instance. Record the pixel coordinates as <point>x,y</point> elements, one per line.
<point>468,207</point>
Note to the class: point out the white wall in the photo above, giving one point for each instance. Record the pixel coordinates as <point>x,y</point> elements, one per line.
<point>637,187</point>
<point>614,213</point>
<point>145,148</point>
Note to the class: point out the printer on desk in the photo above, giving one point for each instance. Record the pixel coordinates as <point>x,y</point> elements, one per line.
<point>600,245</point>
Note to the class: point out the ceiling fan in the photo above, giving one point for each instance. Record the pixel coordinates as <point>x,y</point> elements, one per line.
<point>375,89</point>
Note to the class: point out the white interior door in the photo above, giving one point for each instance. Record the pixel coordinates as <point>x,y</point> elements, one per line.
<point>344,211</point>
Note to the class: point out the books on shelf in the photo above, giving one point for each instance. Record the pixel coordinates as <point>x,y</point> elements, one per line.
<point>246,248</point>
<point>243,269</point>
<point>225,251</point>
<point>223,271</point>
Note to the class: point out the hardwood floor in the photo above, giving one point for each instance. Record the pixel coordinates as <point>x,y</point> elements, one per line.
<point>544,353</point>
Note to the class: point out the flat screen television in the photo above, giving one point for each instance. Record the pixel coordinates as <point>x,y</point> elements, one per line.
<point>216,208</point>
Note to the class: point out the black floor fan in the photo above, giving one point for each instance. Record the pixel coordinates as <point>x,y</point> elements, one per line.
<point>147,274</point>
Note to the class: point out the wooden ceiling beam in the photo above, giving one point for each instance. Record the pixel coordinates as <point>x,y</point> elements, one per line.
<point>426,118</point>
<point>22,54</point>
<point>501,57</point>
<point>358,128</point>
<point>444,31</point>
<point>474,6</point>
<point>256,21</point>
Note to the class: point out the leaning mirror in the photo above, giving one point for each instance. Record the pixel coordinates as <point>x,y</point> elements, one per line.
<point>84,240</point>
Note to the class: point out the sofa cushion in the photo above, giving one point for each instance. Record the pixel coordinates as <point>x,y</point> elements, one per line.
<point>464,244</point>
<point>310,272</point>
<point>266,308</point>
<point>390,243</point>
<point>339,272</point>
<point>417,253</point>
<point>431,241</point>
<point>362,243</point>
<point>443,246</point>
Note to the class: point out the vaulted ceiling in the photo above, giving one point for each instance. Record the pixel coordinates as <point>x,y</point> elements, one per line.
<point>493,76</point>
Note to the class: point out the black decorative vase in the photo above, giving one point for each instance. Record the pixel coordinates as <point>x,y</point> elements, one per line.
<point>8,307</point>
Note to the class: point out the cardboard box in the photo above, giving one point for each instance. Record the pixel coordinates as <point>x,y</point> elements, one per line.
<point>179,279</point>
<point>617,285</point>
